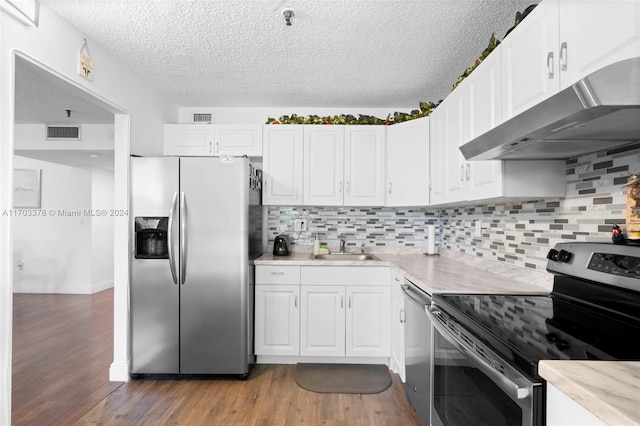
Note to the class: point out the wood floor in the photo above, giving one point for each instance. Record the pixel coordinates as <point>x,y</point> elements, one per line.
<point>62,351</point>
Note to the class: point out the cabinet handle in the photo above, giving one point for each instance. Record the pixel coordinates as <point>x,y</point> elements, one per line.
<point>468,171</point>
<point>348,187</point>
<point>349,302</point>
<point>563,56</point>
<point>295,301</point>
<point>402,317</point>
<point>277,273</point>
<point>342,301</point>
<point>462,172</point>
<point>397,279</point>
<point>264,185</point>
<point>340,187</point>
<point>217,147</point>
<point>389,187</point>
<point>210,148</point>
<point>550,65</point>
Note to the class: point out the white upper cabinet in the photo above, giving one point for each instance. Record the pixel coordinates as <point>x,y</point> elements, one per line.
<point>188,139</point>
<point>449,127</point>
<point>562,41</point>
<point>407,163</point>
<point>323,165</point>
<point>468,111</point>
<point>343,165</point>
<point>282,165</point>
<point>238,140</point>
<point>484,91</point>
<point>212,139</point>
<point>364,165</point>
<point>530,60</point>
<point>596,33</point>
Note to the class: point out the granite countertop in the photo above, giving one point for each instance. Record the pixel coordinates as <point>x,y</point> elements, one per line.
<point>608,389</point>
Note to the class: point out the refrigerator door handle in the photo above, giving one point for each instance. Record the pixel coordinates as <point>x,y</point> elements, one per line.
<point>172,258</point>
<point>183,238</point>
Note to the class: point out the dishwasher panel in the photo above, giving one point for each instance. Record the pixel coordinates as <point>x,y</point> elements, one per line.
<point>418,336</point>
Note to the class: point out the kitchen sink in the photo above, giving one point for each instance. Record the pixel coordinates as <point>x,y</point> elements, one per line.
<point>343,256</point>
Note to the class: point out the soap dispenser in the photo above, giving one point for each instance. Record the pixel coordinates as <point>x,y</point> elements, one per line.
<point>316,246</point>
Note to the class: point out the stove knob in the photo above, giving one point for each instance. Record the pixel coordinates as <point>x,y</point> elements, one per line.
<point>564,256</point>
<point>553,255</point>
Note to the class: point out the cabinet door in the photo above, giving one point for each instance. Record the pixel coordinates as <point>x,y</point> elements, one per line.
<point>323,165</point>
<point>451,127</point>
<point>364,165</point>
<point>282,165</point>
<point>407,163</point>
<point>238,140</point>
<point>484,88</point>
<point>322,320</point>
<point>397,325</point>
<point>277,320</point>
<point>437,145</point>
<point>530,60</point>
<point>188,139</point>
<point>596,33</point>
<point>368,328</point>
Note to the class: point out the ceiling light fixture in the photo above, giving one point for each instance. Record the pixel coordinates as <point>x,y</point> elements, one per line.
<point>288,14</point>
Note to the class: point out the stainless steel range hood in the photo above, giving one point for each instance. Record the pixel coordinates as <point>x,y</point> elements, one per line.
<point>599,112</point>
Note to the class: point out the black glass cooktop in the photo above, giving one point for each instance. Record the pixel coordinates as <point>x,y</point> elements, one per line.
<point>527,328</point>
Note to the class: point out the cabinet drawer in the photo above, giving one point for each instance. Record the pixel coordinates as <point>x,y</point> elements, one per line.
<point>277,274</point>
<point>345,275</point>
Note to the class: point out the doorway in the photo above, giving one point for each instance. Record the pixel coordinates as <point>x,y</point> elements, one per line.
<point>63,249</point>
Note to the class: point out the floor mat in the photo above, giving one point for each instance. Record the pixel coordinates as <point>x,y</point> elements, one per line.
<point>343,378</point>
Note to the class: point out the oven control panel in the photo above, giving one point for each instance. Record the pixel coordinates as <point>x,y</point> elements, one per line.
<point>615,264</point>
<point>612,264</point>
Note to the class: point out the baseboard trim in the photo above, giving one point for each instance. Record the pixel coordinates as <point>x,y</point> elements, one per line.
<point>102,285</point>
<point>119,372</point>
<point>277,359</point>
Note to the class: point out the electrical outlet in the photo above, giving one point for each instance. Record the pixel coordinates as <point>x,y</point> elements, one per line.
<point>300,225</point>
<point>478,228</point>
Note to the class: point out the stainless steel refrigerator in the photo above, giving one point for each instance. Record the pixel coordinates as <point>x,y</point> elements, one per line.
<point>197,227</point>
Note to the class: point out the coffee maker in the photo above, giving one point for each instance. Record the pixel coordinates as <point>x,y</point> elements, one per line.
<point>281,245</point>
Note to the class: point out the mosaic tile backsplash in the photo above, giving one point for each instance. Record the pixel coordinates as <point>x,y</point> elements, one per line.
<point>518,233</point>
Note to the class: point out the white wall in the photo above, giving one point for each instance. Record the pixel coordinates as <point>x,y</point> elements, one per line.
<point>140,113</point>
<point>101,230</point>
<point>54,249</point>
<point>260,115</point>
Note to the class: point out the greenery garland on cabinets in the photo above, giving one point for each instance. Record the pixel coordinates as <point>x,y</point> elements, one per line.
<point>397,117</point>
<point>493,43</point>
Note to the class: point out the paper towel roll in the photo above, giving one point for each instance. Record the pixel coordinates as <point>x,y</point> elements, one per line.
<point>431,239</point>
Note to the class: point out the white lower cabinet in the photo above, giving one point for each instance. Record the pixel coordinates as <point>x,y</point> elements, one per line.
<point>277,310</point>
<point>397,324</point>
<point>563,411</point>
<point>329,312</point>
<point>277,313</point>
<point>322,320</point>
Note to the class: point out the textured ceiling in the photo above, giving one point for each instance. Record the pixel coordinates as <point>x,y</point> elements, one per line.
<point>240,53</point>
<point>41,97</point>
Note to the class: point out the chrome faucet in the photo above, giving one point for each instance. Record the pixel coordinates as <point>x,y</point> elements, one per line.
<point>343,242</point>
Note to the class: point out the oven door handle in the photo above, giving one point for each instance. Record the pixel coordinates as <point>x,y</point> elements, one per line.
<point>511,388</point>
